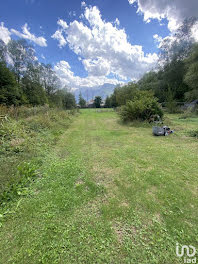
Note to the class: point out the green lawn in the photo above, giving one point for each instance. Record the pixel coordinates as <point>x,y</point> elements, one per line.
<point>109,193</point>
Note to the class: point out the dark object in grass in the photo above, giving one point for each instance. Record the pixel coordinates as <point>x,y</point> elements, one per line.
<point>162,131</point>
<point>193,133</point>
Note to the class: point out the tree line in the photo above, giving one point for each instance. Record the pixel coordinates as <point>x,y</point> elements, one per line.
<point>26,81</point>
<point>175,79</point>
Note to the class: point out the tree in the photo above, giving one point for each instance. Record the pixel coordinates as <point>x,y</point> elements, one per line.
<point>172,76</point>
<point>191,77</point>
<point>10,91</point>
<point>69,101</point>
<point>179,45</point>
<point>154,81</point>
<point>35,83</point>
<point>125,93</point>
<point>3,51</point>
<point>108,102</point>
<point>33,91</point>
<point>168,83</point>
<point>149,81</point>
<point>20,54</point>
<point>49,79</point>
<point>57,99</point>
<point>113,99</point>
<point>33,72</point>
<point>81,101</point>
<point>63,99</point>
<point>171,103</point>
<point>97,101</point>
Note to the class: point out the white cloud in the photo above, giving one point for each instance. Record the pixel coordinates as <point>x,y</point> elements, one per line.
<point>68,78</point>
<point>62,23</point>
<point>166,42</point>
<point>43,57</point>
<point>4,33</point>
<point>59,36</point>
<point>97,67</point>
<point>158,39</point>
<point>194,31</point>
<point>117,22</point>
<point>105,49</point>
<point>174,11</point>
<point>72,13</point>
<point>83,4</point>
<point>131,2</point>
<point>41,41</point>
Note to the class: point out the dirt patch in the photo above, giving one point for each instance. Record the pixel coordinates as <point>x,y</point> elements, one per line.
<point>152,194</point>
<point>103,175</point>
<point>17,142</point>
<point>124,230</point>
<point>125,204</point>
<point>152,190</point>
<point>157,218</point>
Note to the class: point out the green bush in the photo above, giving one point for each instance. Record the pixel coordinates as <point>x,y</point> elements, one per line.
<point>142,107</point>
<point>193,133</point>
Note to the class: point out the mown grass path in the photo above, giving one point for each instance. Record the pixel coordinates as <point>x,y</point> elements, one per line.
<point>109,194</point>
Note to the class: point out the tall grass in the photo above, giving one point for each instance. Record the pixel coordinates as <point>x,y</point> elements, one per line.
<point>22,111</point>
<point>26,134</point>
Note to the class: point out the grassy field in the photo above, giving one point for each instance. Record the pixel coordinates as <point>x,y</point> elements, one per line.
<point>109,193</point>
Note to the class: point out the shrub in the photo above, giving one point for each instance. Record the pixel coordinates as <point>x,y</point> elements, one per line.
<point>142,107</point>
<point>193,133</point>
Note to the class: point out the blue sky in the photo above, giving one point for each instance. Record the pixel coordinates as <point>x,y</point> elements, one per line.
<point>102,40</point>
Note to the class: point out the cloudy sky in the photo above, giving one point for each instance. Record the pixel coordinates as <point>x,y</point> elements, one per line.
<point>93,42</point>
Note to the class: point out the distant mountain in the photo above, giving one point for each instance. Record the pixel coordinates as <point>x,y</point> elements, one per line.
<point>89,93</point>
